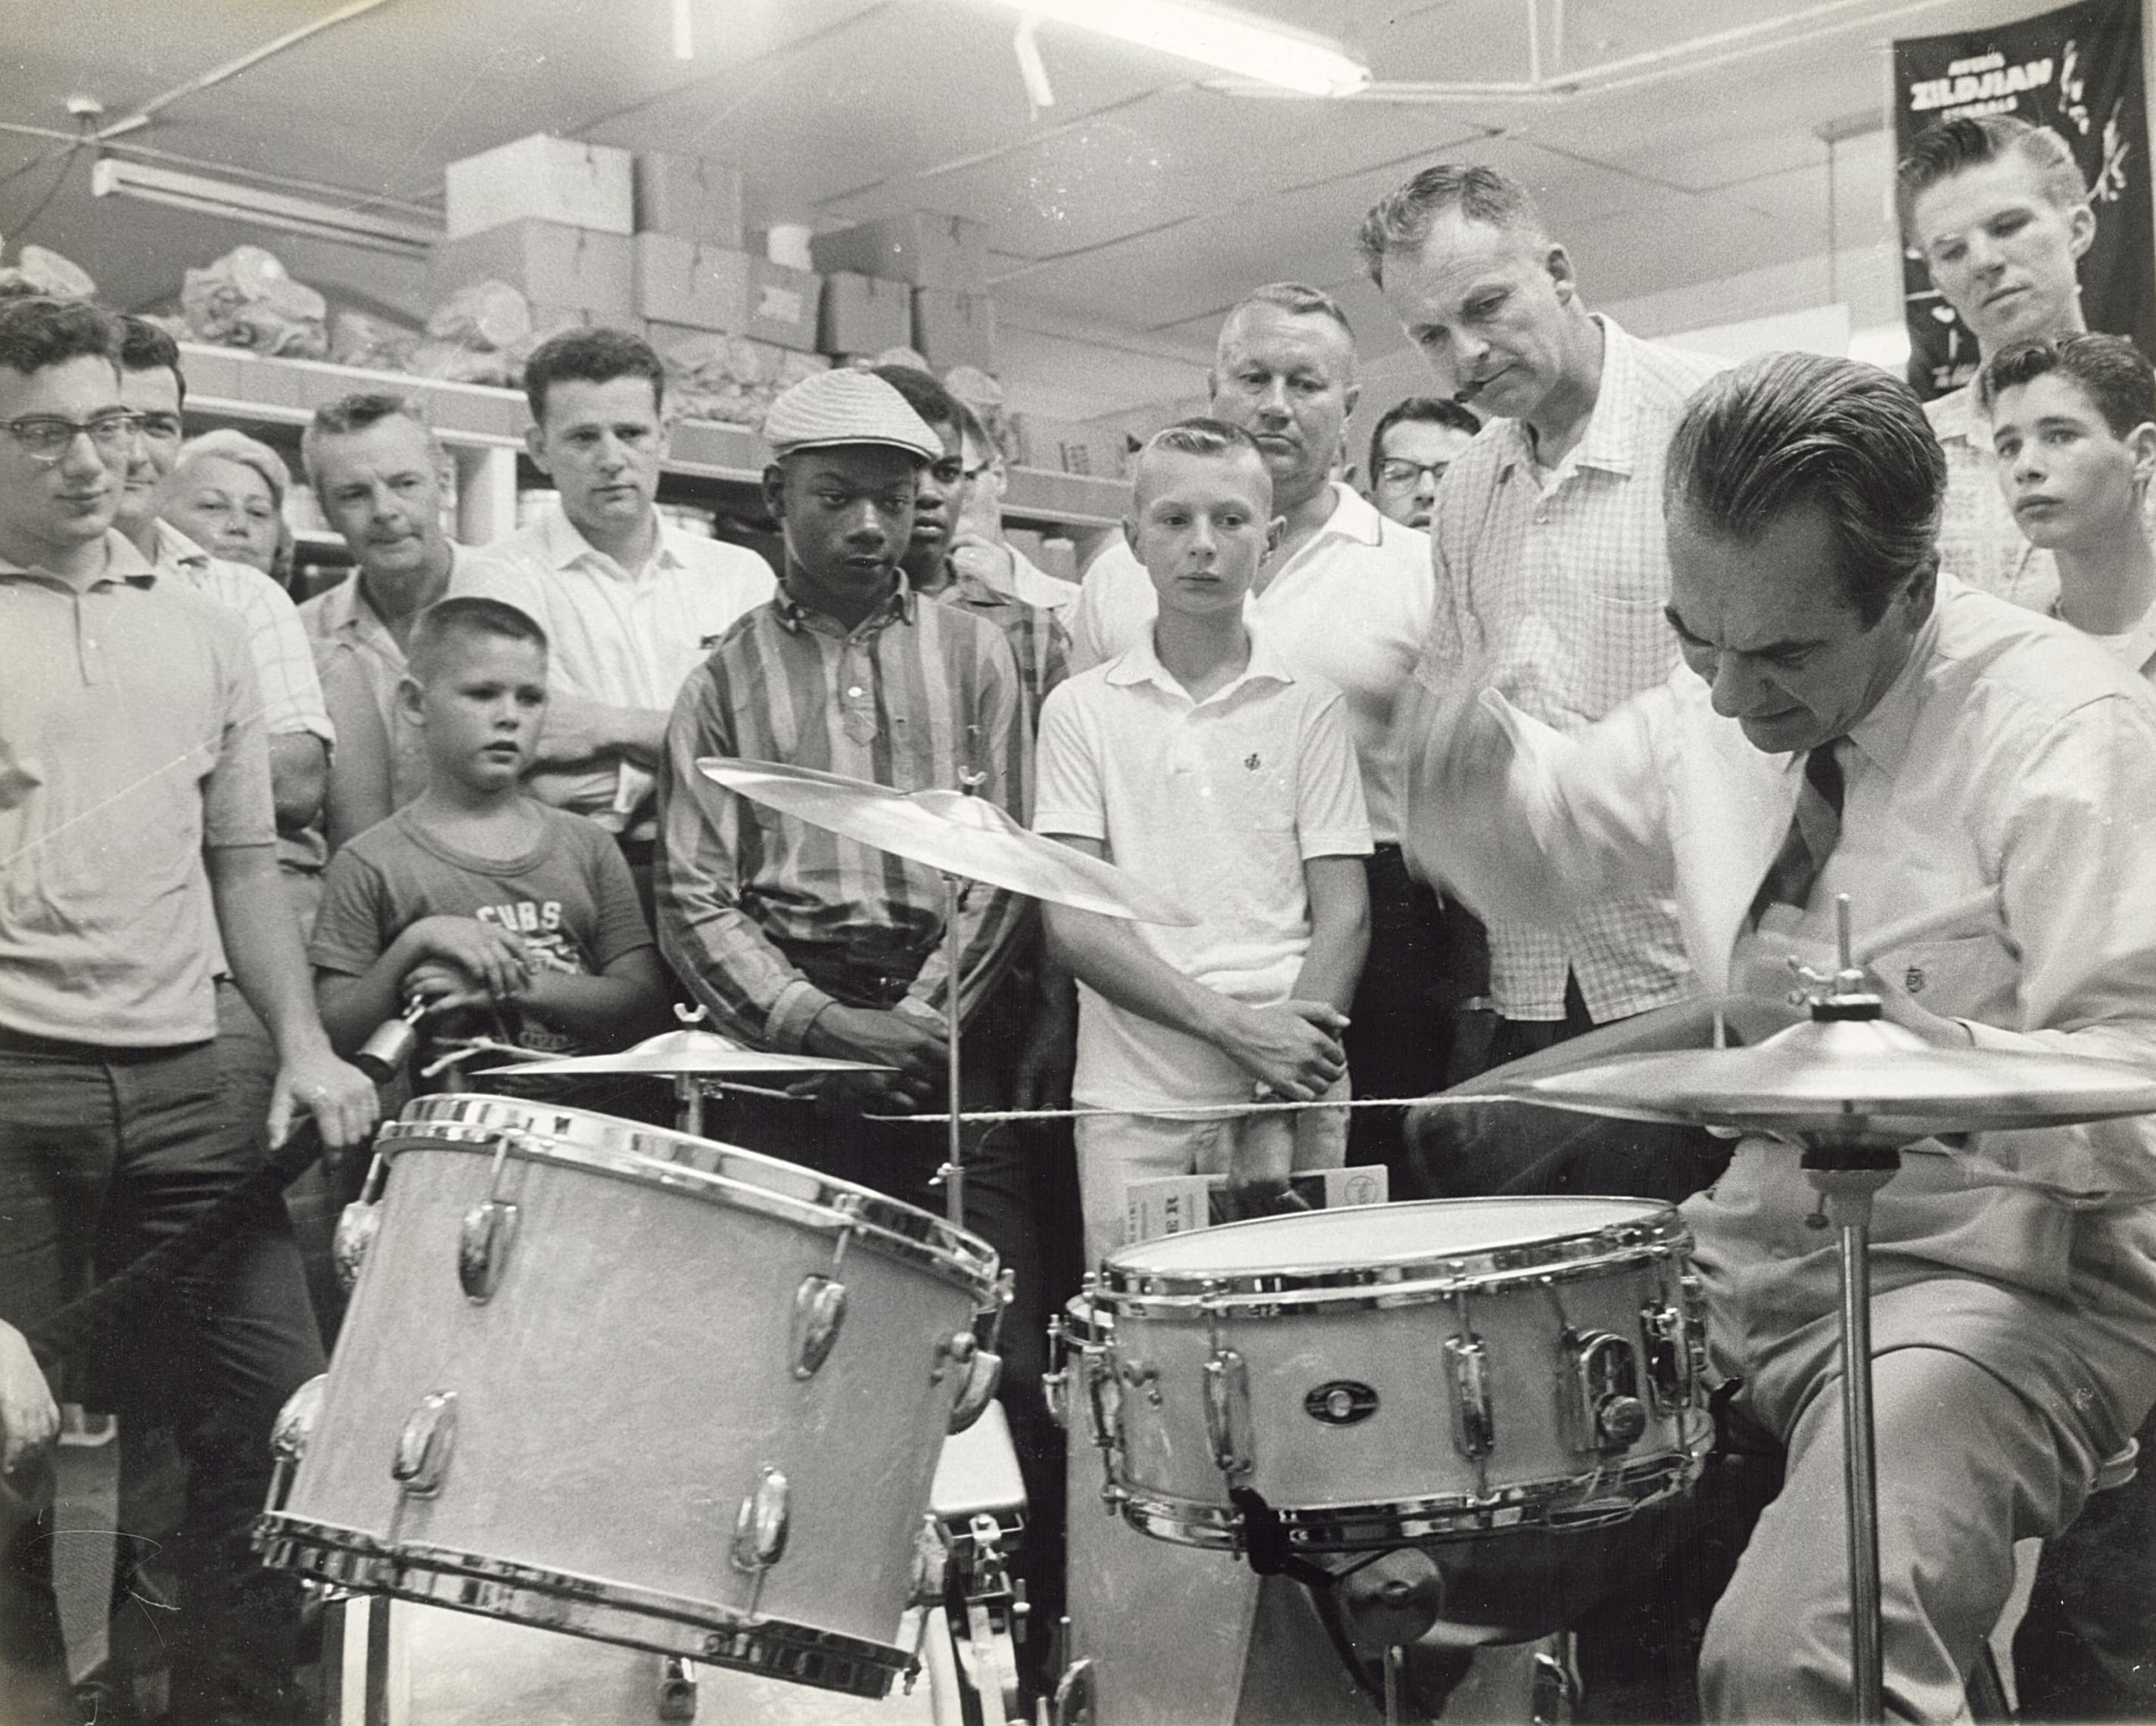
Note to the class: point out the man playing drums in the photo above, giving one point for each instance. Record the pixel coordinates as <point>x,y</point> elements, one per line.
<point>1849,719</point>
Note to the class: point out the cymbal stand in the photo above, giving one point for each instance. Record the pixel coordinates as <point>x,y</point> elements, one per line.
<point>954,1171</point>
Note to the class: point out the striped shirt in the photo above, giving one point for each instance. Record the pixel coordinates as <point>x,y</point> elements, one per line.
<point>1559,578</point>
<point>284,659</point>
<point>1037,640</point>
<point>909,698</point>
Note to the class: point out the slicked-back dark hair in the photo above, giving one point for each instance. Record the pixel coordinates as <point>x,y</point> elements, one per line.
<point>1401,220</point>
<point>1430,410</point>
<point>1950,146</point>
<point>936,405</point>
<point>145,346</point>
<point>2112,374</point>
<point>1786,429</point>
<point>598,355</point>
<point>465,616</point>
<point>37,331</point>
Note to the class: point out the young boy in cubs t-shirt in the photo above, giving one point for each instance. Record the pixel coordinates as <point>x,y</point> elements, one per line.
<point>510,919</point>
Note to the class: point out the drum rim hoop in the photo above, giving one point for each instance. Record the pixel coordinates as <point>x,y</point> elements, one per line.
<point>876,1219</point>
<point>1658,1234</point>
<point>604,1611</point>
<point>1382,1524</point>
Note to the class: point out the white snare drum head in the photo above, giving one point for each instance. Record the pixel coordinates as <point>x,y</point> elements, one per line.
<point>1376,1235</point>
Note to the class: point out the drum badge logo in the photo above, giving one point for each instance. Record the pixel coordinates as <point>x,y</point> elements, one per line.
<point>1343,1402</point>
<point>1250,761</point>
<point>1913,979</point>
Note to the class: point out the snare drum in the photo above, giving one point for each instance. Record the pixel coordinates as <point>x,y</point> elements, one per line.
<point>632,1384</point>
<point>1440,1371</point>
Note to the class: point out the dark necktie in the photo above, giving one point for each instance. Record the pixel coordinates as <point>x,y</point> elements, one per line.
<point>1813,829</point>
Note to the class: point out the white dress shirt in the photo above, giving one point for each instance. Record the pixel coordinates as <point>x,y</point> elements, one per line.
<point>622,638</point>
<point>1351,607</point>
<point>1559,577</point>
<point>1999,845</point>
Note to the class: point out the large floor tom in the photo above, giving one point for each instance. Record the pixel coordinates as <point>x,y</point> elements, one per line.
<point>604,1378</point>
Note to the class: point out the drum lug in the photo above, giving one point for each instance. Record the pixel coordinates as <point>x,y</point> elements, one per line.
<point>483,1243</point>
<point>1228,1412</point>
<point>1103,1411</point>
<point>1668,1351</point>
<point>1474,1419</point>
<point>819,1308</point>
<point>984,1372</point>
<point>760,1526</point>
<point>1604,1410</point>
<point>292,1433</point>
<point>422,1460</point>
<point>357,1225</point>
<point>1693,1292</point>
<point>1055,1382</point>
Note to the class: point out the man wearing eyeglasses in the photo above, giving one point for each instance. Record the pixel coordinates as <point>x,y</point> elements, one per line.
<point>135,818</point>
<point>1410,451</point>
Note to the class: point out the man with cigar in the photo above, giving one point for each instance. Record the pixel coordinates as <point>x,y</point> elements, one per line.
<point>1548,535</point>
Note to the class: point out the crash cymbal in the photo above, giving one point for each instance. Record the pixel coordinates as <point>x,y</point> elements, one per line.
<point>950,831</point>
<point>691,1051</point>
<point>1852,1082</point>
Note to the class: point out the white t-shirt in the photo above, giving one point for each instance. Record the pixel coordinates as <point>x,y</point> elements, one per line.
<point>623,638</point>
<point>1351,607</point>
<point>1219,803</point>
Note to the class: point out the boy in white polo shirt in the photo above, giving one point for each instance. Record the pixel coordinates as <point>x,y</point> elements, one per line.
<point>1198,762</point>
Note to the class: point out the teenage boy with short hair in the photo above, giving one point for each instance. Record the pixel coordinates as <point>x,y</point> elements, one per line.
<point>477,898</point>
<point>1198,762</point>
<point>2073,424</point>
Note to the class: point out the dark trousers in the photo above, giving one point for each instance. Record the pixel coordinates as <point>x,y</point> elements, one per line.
<point>2086,1649</point>
<point>1010,1185</point>
<point>103,1153</point>
<point>1426,961</point>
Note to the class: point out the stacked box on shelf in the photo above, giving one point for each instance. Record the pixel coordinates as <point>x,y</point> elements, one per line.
<point>952,329</point>
<point>692,199</point>
<point>542,179</point>
<point>1083,447</point>
<point>865,314</point>
<point>574,274</point>
<point>919,248</point>
<point>704,287</point>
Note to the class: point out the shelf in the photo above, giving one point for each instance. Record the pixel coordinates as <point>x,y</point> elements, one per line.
<point>229,383</point>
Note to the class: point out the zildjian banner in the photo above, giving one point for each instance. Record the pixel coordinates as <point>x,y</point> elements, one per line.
<point>2077,71</point>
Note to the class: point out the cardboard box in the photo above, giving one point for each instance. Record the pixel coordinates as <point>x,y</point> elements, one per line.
<point>865,314</point>
<point>548,262</point>
<point>1176,1204</point>
<point>784,305</point>
<point>954,329</point>
<point>692,199</point>
<point>1085,448</point>
<point>701,287</point>
<point>542,179</point>
<point>921,248</point>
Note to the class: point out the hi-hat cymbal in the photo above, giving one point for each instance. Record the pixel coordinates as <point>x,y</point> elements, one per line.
<point>950,831</point>
<point>1862,1082</point>
<point>691,1051</point>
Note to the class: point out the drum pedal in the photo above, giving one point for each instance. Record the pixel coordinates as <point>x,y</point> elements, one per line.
<point>677,1689</point>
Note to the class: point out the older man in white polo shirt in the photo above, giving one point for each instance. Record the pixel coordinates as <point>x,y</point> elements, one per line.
<point>1346,597</point>
<point>630,604</point>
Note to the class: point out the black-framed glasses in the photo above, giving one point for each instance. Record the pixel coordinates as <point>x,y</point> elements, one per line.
<point>1396,473</point>
<point>47,437</point>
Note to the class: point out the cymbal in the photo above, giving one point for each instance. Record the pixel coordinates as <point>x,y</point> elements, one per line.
<point>1844,1082</point>
<point>691,1051</point>
<point>950,831</point>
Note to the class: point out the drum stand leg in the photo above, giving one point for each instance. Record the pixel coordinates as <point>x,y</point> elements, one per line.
<point>1846,1177</point>
<point>954,1160</point>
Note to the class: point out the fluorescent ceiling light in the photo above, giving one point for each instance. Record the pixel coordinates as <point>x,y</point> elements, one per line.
<point>1217,36</point>
<point>111,177</point>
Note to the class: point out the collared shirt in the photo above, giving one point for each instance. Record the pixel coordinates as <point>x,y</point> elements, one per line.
<point>1999,846</point>
<point>1037,641</point>
<point>343,622</point>
<point>130,742</point>
<point>916,698</point>
<point>1560,578</point>
<point>1034,585</point>
<point>623,638</point>
<point>1219,803</point>
<point>1351,607</point>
